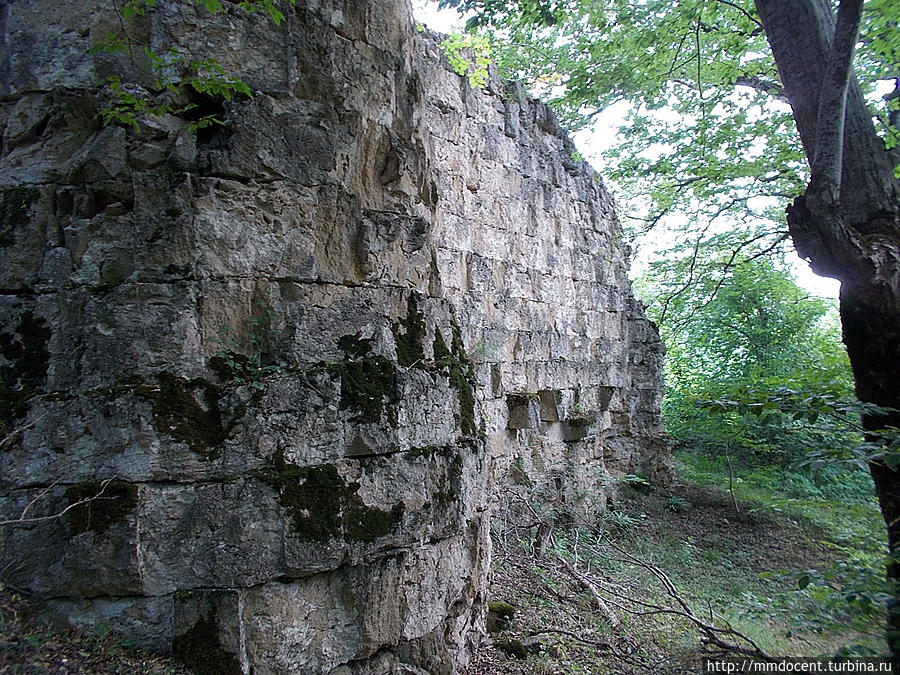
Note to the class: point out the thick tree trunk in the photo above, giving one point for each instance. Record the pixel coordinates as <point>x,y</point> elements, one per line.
<point>871,326</point>
<point>851,233</point>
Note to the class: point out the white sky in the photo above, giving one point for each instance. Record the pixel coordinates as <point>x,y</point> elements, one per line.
<point>592,142</point>
<point>443,21</point>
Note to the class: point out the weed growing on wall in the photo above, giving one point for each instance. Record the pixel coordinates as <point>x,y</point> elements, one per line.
<point>247,362</point>
<point>171,71</point>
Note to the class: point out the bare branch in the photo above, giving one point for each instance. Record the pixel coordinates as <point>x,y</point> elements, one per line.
<point>592,589</point>
<point>761,85</point>
<point>7,440</point>
<point>23,518</point>
<point>714,635</point>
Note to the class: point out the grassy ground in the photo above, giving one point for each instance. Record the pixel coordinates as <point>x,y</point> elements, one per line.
<point>796,568</point>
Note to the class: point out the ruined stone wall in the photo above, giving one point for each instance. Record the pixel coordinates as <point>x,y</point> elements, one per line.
<point>289,361</point>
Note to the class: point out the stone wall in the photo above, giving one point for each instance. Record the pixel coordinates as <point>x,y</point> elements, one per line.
<point>274,373</point>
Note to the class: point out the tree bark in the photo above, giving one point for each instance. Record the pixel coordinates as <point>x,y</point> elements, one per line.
<point>850,231</point>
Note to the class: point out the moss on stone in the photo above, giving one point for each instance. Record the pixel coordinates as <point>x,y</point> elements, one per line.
<point>512,647</point>
<point>435,269</point>
<point>27,360</point>
<point>366,524</point>
<point>502,609</point>
<point>14,205</point>
<point>177,412</point>
<point>409,335</point>
<point>104,506</point>
<point>199,649</point>
<point>312,496</point>
<point>323,506</point>
<point>426,452</point>
<point>451,490</point>
<point>355,346</point>
<point>230,366</point>
<point>442,356</point>
<point>462,378</point>
<point>368,383</point>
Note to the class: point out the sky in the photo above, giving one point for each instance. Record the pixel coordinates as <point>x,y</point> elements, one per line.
<point>601,136</point>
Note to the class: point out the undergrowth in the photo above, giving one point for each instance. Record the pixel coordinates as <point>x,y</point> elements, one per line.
<point>797,569</point>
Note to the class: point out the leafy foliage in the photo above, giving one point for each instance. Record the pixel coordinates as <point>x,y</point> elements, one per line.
<point>469,55</point>
<point>751,345</point>
<point>251,362</point>
<point>706,133</point>
<point>709,142</point>
<point>170,70</point>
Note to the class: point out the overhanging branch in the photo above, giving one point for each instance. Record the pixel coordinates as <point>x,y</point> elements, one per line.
<point>761,85</point>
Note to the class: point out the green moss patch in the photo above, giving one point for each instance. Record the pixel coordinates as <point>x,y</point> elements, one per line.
<point>102,507</point>
<point>442,356</point>
<point>409,335</point>
<point>426,452</point>
<point>27,357</point>
<point>355,346</point>
<point>502,609</point>
<point>177,412</point>
<point>512,647</point>
<point>14,205</point>
<point>455,364</point>
<point>447,455</point>
<point>323,506</point>
<point>462,378</point>
<point>500,615</point>
<point>368,383</point>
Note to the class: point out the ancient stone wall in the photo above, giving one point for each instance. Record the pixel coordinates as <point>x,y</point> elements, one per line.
<point>273,373</point>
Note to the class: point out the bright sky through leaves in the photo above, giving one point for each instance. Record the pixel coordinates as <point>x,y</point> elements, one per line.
<point>600,136</point>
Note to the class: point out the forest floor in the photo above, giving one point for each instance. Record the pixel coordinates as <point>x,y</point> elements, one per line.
<point>796,569</point>
<point>31,646</point>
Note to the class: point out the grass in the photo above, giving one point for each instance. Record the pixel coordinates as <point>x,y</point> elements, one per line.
<point>798,569</point>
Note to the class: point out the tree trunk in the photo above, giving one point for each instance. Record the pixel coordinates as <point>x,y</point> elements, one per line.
<point>851,233</point>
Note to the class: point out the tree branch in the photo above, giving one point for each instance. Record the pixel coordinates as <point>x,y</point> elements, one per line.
<point>826,164</point>
<point>23,518</point>
<point>742,11</point>
<point>761,85</point>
